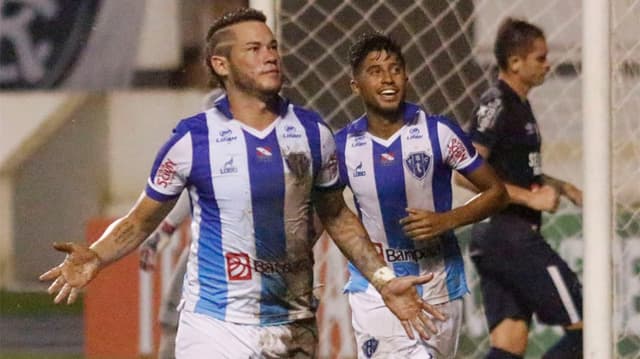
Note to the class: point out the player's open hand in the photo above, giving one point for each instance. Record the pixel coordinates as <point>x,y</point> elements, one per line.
<point>402,298</point>
<point>79,267</point>
<point>422,224</point>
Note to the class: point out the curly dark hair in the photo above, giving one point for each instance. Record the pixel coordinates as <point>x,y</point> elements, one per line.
<point>216,35</point>
<point>369,42</point>
<point>514,37</point>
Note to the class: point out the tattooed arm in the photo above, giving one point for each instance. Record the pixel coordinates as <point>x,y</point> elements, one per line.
<point>83,263</point>
<point>399,294</point>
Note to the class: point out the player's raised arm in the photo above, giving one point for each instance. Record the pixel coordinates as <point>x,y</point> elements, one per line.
<point>398,293</point>
<point>82,263</point>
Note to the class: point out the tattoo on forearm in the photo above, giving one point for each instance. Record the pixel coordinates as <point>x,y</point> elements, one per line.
<point>354,243</point>
<point>123,234</point>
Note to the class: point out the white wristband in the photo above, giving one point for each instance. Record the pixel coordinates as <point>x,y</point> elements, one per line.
<point>382,276</point>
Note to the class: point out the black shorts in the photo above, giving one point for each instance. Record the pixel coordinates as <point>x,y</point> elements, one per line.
<point>522,275</point>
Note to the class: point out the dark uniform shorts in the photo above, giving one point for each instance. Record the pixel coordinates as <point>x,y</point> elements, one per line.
<point>521,274</point>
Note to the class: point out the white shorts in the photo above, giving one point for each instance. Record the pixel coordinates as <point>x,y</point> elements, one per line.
<point>379,333</point>
<point>201,336</point>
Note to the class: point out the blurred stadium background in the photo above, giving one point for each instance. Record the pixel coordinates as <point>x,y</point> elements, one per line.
<point>88,92</point>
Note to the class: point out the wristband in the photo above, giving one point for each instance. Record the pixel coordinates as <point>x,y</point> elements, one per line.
<point>381,277</point>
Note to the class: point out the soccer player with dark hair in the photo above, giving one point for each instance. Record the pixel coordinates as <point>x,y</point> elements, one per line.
<point>398,161</point>
<point>520,273</point>
<point>254,166</point>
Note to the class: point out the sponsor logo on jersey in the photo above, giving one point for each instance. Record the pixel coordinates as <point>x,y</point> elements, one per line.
<point>359,141</point>
<point>392,255</point>
<point>165,173</point>
<point>264,153</point>
<point>387,158</point>
<point>241,267</point>
<point>228,167</point>
<point>369,347</point>
<point>414,134</point>
<point>226,136</point>
<point>291,132</point>
<point>359,172</point>
<point>418,164</point>
<point>238,266</point>
<point>531,129</point>
<point>457,152</point>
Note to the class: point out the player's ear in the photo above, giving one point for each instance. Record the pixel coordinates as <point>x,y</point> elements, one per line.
<point>220,65</point>
<point>354,86</point>
<point>514,63</point>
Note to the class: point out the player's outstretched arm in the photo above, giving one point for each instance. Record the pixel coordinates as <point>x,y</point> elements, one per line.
<point>399,294</point>
<point>82,263</point>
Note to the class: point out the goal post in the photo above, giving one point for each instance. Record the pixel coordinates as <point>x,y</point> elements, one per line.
<point>597,214</point>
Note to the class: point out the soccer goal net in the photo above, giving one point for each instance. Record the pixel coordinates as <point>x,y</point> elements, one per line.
<point>448,50</point>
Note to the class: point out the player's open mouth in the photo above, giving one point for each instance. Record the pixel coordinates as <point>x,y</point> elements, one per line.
<point>388,94</point>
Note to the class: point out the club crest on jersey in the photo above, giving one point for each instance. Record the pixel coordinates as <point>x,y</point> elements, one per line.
<point>531,128</point>
<point>414,134</point>
<point>228,167</point>
<point>387,158</point>
<point>359,172</point>
<point>369,347</point>
<point>418,164</point>
<point>487,114</point>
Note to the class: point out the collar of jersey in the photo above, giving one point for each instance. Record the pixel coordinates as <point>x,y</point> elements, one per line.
<point>222,105</point>
<point>508,91</point>
<point>410,116</point>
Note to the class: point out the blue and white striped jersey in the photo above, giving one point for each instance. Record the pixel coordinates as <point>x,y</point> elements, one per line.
<point>252,235</point>
<point>411,169</point>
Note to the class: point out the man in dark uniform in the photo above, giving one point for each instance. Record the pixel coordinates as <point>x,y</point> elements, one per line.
<point>520,273</point>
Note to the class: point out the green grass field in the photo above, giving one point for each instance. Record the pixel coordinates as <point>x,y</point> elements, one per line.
<point>35,304</point>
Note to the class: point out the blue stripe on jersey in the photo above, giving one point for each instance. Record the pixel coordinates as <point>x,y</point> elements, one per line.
<point>442,195</point>
<point>392,198</point>
<point>341,144</point>
<point>211,263</point>
<point>454,267</point>
<point>267,199</point>
<point>310,121</point>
